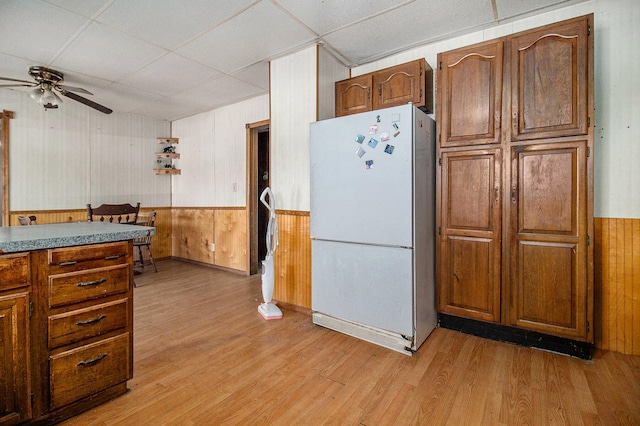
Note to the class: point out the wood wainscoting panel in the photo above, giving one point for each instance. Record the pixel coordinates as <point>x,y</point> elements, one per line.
<point>161,242</point>
<point>230,238</point>
<point>50,216</point>
<point>617,285</point>
<point>292,259</point>
<point>192,234</point>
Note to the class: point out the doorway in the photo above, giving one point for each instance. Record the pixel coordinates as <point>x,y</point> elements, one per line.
<point>258,178</point>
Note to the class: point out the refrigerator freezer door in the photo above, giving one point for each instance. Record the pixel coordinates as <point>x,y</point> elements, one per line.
<point>362,178</point>
<point>365,284</point>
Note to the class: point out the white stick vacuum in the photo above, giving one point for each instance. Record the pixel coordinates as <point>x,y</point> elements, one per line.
<point>269,310</point>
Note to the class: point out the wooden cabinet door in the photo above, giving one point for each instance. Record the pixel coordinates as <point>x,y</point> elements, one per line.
<point>15,390</point>
<point>470,95</point>
<point>400,85</point>
<point>470,245</point>
<point>353,95</point>
<point>549,81</point>
<point>549,260</point>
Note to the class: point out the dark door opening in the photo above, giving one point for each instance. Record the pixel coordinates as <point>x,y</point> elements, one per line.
<point>262,176</point>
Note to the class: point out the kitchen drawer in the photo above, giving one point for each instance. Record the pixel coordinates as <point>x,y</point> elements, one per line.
<point>74,287</point>
<point>81,372</point>
<point>14,271</point>
<point>70,327</point>
<point>71,255</point>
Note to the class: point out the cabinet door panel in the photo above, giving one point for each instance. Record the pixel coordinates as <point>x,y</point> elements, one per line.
<point>549,239</point>
<point>470,234</point>
<point>399,85</point>
<point>15,391</point>
<point>353,95</point>
<point>549,81</point>
<point>470,87</point>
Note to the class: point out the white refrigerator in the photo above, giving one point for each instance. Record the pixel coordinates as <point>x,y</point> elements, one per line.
<point>372,226</point>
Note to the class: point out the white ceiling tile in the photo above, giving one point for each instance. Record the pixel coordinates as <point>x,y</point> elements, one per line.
<point>13,67</point>
<point>379,36</point>
<point>510,8</point>
<point>107,53</point>
<point>328,15</point>
<point>170,74</point>
<point>34,30</point>
<point>169,23</point>
<point>257,74</point>
<point>218,92</point>
<point>86,8</point>
<point>260,32</point>
<point>168,109</point>
<point>123,98</point>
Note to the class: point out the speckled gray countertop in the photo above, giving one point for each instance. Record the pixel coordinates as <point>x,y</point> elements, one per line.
<point>36,237</point>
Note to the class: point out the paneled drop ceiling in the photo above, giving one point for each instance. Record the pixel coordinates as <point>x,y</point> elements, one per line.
<point>170,59</point>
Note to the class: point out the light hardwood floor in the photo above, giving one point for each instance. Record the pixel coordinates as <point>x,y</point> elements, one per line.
<point>204,356</point>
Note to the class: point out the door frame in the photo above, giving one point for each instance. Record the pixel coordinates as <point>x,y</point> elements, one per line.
<point>252,193</point>
<point>5,116</point>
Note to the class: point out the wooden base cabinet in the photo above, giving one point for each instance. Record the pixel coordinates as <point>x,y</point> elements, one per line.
<point>15,386</point>
<point>66,330</point>
<point>515,183</point>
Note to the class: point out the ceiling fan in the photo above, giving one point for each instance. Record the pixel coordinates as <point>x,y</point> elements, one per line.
<point>47,83</point>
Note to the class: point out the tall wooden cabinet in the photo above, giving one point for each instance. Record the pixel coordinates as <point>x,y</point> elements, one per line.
<point>515,183</point>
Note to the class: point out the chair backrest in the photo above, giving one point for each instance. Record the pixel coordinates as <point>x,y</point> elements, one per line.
<point>27,220</point>
<point>145,219</point>
<point>118,213</point>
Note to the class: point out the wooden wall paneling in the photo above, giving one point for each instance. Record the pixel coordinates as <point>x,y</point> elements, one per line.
<point>635,259</point>
<point>161,242</point>
<point>292,259</point>
<point>192,234</point>
<point>50,216</point>
<point>230,238</point>
<point>617,285</point>
<point>600,328</point>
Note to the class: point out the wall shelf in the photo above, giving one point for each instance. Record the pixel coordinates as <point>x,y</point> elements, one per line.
<point>164,159</point>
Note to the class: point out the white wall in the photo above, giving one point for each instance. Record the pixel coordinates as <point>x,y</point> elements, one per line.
<point>293,107</point>
<point>65,158</point>
<point>617,93</point>
<point>212,151</point>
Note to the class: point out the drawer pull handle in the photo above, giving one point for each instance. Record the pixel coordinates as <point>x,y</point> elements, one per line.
<point>111,257</point>
<point>90,283</point>
<point>73,262</point>
<point>92,361</point>
<point>92,320</point>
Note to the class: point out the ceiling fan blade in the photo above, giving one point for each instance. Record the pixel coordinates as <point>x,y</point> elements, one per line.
<point>86,101</point>
<point>17,80</point>
<point>18,85</point>
<point>73,89</point>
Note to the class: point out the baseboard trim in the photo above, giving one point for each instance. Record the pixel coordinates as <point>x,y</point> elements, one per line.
<point>531,339</point>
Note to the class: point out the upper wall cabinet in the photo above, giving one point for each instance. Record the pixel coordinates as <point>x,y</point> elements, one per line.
<point>549,81</point>
<point>471,95</point>
<point>411,82</point>
<point>354,95</point>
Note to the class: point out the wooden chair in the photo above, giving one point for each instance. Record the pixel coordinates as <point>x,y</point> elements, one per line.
<point>119,213</point>
<point>145,219</point>
<point>27,220</point>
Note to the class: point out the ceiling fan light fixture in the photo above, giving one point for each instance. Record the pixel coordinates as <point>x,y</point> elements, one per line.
<point>50,98</point>
<point>36,94</point>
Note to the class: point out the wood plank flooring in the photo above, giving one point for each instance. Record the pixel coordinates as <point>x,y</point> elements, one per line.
<point>204,356</point>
